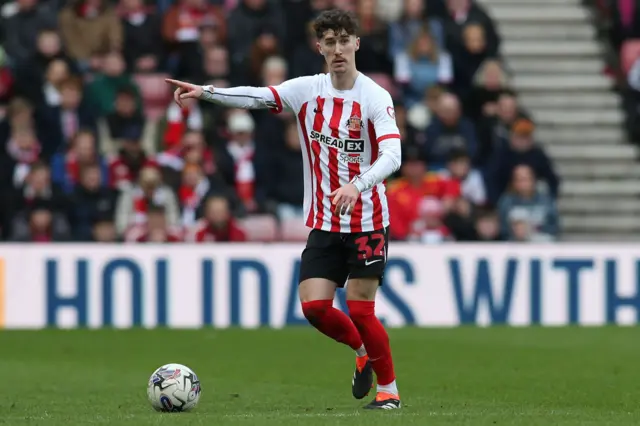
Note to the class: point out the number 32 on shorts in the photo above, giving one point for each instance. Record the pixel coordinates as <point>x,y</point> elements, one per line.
<point>371,245</point>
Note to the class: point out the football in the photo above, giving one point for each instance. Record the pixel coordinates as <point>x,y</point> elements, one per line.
<point>173,388</point>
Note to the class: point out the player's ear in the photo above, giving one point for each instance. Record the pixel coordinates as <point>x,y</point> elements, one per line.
<point>357,43</point>
<point>319,47</point>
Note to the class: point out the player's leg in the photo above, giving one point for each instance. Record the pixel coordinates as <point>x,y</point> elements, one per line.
<point>323,268</point>
<point>367,262</point>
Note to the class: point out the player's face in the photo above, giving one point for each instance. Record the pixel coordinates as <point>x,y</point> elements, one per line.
<point>339,50</point>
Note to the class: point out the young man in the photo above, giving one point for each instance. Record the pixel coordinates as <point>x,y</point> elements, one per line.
<point>350,144</point>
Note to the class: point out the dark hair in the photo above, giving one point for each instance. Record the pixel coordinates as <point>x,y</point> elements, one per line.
<point>485,212</point>
<point>336,20</point>
<point>509,92</point>
<point>458,154</point>
<point>155,209</point>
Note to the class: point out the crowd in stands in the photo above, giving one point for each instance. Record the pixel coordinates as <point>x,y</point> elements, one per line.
<point>621,20</point>
<point>93,149</point>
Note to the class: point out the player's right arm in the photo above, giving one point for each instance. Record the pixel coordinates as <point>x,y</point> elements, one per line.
<point>286,95</point>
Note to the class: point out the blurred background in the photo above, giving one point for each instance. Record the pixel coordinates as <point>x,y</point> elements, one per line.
<point>519,120</point>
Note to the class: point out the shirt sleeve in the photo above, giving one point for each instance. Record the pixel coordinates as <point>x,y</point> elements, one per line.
<point>389,154</point>
<point>289,95</point>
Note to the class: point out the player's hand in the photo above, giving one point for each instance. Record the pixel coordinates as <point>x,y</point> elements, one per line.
<point>185,91</point>
<point>344,198</point>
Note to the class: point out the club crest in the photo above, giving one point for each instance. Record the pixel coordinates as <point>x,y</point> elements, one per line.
<point>354,123</point>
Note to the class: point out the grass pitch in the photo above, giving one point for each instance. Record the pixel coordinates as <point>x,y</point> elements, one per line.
<point>464,376</point>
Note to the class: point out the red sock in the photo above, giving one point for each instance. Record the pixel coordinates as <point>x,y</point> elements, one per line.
<point>375,338</point>
<point>332,322</point>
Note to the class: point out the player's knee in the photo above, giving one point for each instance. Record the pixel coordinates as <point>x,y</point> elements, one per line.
<point>315,310</point>
<point>362,289</point>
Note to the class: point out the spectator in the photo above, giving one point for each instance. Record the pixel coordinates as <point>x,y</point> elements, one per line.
<point>125,167</point>
<point>214,68</point>
<point>134,202</point>
<point>191,150</point>
<point>36,187</point>
<point>274,71</point>
<point>422,66</point>
<point>125,117</point>
<point>472,185</point>
<point>525,203</point>
<point>298,17</point>
<point>348,5</point>
<point>142,29</point>
<point>19,115</point>
<point>40,224</point>
<point>22,151</point>
<point>155,229</point>
<point>106,84</point>
<point>521,150</point>
<point>286,179</point>
<point>271,127</point>
<point>448,131</point>
<point>57,74</point>
<point>184,26</point>
<point>306,59</point>
<point>217,224</point>
<point>90,30</point>
<point>245,24</point>
<point>487,226</point>
<point>403,32</point>
<point>488,83</point>
<point>468,58</point>
<point>179,120</point>
<point>67,167</point>
<point>406,193</point>
<point>373,55</point>
<point>265,46</point>
<point>240,162</point>
<point>459,14</point>
<point>31,74</point>
<point>419,116</point>
<point>65,121</point>
<point>508,111</point>
<point>22,28</point>
<point>90,201</point>
<point>193,189</point>
<point>104,230</point>
<point>185,18</point>
<point>429,227</point>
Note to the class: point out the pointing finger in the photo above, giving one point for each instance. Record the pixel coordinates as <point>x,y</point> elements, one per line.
<point>179,83</point>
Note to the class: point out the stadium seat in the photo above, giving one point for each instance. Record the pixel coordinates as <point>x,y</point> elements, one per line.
<point>294,230</point>
<point>263,228</point>
<point>629,53</point>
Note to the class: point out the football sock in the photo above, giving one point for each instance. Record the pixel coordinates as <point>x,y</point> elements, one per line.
<point>391,388</point>
<point>375,339</point>
<point>361,351</point>
<point>333,323</point>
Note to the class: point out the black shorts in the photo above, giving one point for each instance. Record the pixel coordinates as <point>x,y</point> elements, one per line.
<point>339,256</point>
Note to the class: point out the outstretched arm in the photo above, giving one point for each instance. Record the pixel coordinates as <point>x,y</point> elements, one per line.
<point>246,97</point>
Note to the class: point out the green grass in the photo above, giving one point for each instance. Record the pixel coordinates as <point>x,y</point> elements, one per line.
<point>465,376</point>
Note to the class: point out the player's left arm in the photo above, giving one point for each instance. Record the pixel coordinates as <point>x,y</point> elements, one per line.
<point>388,141</point>
<point>388,160</point>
